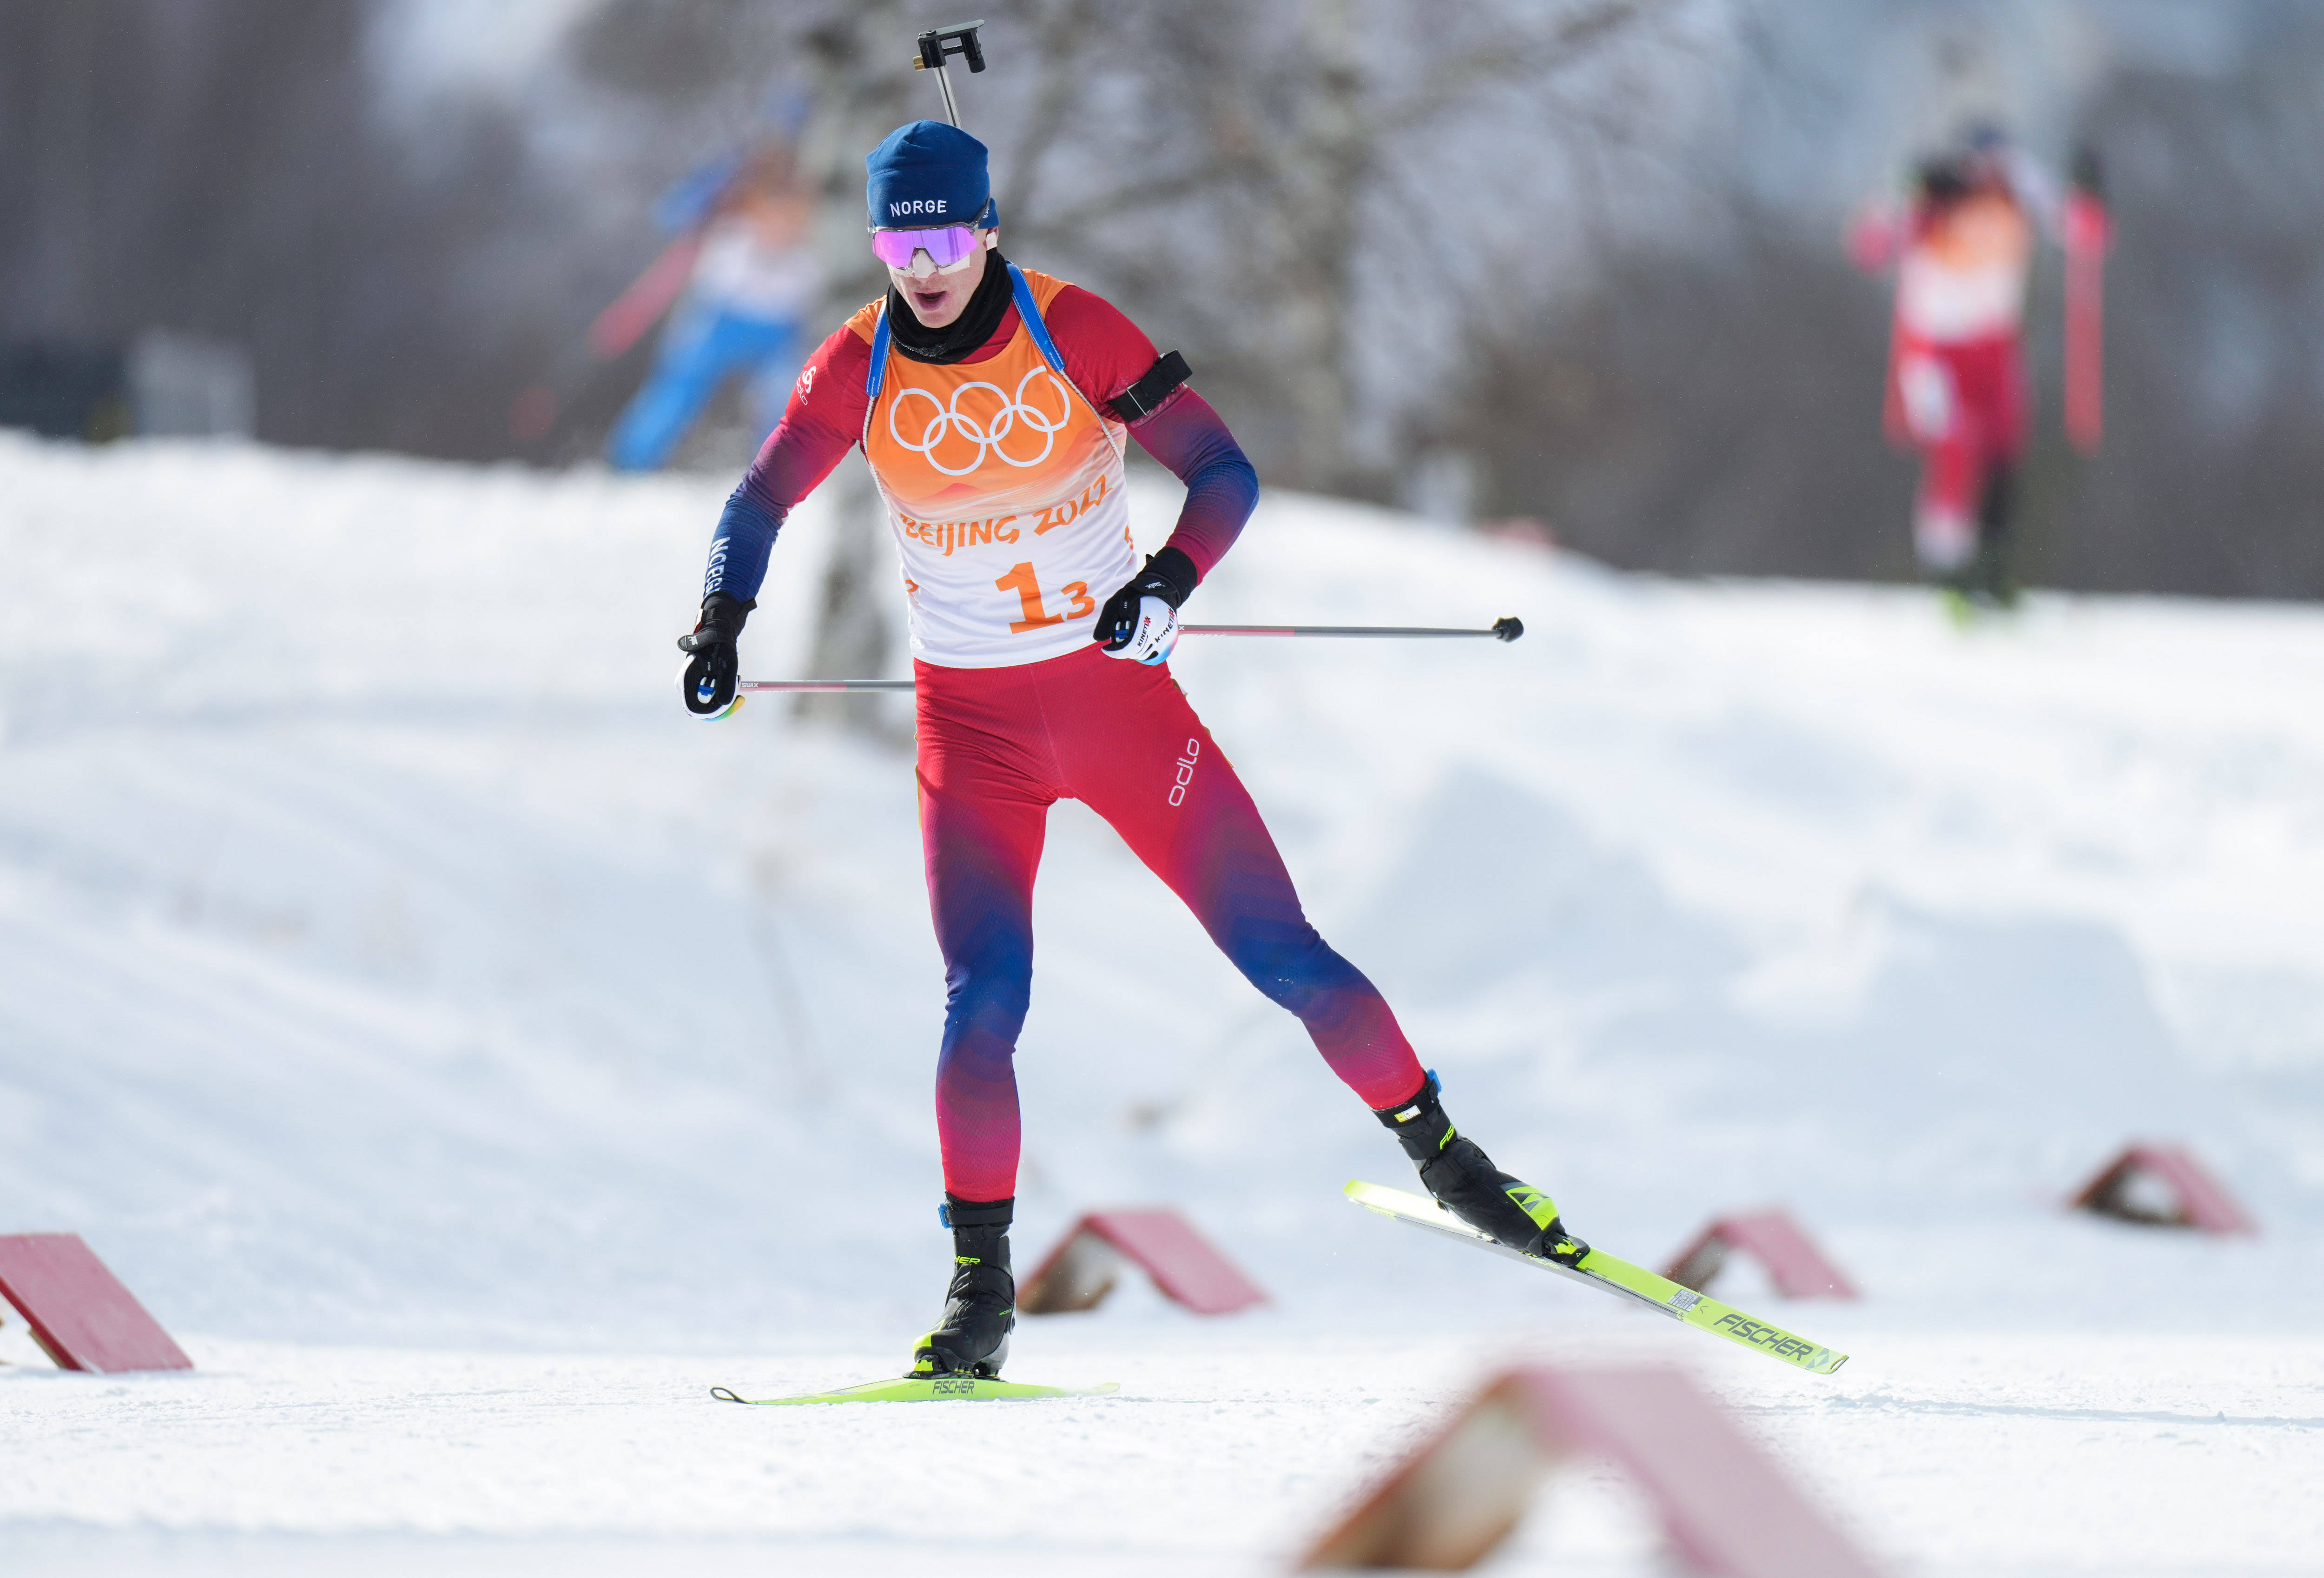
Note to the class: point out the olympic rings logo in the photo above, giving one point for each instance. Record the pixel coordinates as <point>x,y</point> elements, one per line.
<point>949,419</point>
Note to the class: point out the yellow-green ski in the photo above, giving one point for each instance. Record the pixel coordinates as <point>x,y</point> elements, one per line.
<point>1600,1270</point>
<point>926,1388</point>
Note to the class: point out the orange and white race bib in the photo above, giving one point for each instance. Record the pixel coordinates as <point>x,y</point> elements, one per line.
<point>1004,486</point>
<point>1966,279</point>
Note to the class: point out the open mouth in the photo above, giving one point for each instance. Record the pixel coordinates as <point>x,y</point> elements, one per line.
<point>930,300</point>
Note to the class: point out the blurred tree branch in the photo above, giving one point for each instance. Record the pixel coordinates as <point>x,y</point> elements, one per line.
<point>1060,32</point>
<point>1562,46</point>
<point>1288,141</point>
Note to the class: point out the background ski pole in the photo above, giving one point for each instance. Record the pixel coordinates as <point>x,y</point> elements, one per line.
<point>2088,232</point>
<point>1500,629</point>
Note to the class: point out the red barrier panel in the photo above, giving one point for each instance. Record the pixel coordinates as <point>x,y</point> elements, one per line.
<point>80,1314</point>
<point>1723,1507</point>
<point>1797,1267</point>
<point>2200,1200</point>
<point>1184,1265</point>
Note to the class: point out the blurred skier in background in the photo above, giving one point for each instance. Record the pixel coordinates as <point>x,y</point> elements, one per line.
<point>1962,246</point>
<point>995,406</point>
<point>749,224</point>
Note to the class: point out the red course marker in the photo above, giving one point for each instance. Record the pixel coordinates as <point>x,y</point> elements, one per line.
<point>1184,1265</point>
<point>1798,1269</point>
<point>2202,1201</point>
<point>80,1314</point>
<point>1725,1508</point>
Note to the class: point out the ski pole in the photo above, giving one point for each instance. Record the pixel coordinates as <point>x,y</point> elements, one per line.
<point>2087,233</point>
<point>937,44</point>
<point>822,685</point>
<point>1500,629</point>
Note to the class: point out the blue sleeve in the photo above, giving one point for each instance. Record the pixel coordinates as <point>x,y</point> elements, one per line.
<point>819,426</point>
<point>1221,488</point>
<point>739,548</point>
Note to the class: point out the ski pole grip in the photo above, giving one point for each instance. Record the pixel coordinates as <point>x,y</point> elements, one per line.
<point>1507,629</point>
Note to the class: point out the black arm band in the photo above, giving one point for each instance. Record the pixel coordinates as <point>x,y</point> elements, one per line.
<point>1145,396</point>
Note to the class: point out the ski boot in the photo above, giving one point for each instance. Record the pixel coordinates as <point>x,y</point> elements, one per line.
<point>972,1336</point>
<point>1461,1177</point>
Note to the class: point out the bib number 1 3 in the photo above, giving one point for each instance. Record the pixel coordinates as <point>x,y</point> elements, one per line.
<point>1020,580</point>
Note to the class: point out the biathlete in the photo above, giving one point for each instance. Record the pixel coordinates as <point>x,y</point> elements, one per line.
<point>1955,388</point>
<point>753,278</point>
<point>994,405</point>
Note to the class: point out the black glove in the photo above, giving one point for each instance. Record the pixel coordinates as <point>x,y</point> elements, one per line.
<point>1168,575</point>
<point>709,682</point>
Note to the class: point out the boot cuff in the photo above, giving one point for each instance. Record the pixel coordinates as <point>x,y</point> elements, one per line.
<point>958,1212</point>
<point>1409,1111</point>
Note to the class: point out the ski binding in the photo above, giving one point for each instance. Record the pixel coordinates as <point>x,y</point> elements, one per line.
<point>926,1388</point>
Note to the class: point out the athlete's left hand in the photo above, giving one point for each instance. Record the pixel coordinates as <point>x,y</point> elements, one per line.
<point>1141,620</point>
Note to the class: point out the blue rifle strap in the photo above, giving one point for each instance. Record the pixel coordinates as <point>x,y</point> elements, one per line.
<point>1031,313</point>
<point>878,373</point>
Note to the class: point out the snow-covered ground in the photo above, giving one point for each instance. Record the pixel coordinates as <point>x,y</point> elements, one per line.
<point>472,1059</point>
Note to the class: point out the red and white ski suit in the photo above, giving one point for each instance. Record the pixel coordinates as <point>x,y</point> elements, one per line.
<point>1955,388</point>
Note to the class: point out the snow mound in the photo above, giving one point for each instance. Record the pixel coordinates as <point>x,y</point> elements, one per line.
<point>385,957</point>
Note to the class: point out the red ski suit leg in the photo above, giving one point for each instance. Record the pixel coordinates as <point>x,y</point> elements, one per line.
<point>1978,424</point>
<point>996,747</point>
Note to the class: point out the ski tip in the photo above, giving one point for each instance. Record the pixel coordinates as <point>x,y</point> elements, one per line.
<point>1377,1197</point>
<point>724,1396</point>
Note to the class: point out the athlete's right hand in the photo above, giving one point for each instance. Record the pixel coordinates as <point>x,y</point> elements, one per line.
<point>709,680</point>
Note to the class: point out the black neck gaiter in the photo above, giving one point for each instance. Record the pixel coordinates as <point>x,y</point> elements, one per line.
<point>964,335</point>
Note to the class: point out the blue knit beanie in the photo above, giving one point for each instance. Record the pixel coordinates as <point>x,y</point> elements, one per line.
<point>928,174</point>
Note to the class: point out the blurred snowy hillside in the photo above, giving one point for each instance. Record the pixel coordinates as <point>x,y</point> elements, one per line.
<point>385,957</point>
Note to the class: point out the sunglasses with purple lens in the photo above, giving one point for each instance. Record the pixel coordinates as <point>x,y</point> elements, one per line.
<point>946,248</point>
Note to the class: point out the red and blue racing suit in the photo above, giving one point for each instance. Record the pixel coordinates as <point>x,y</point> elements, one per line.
<point>980,461</point>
